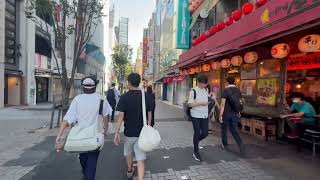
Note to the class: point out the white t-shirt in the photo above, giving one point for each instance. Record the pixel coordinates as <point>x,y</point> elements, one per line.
<point>84,109</point>
<point>201,96</point>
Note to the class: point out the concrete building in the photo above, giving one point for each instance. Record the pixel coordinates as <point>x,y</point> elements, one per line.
<point>2,50</point>
<point>138,64</point>
<point>123,31</point>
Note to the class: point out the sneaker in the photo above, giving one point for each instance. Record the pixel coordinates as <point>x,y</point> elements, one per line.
<point>197,156</point>
<point>225,147</point>
<point>130,173</point>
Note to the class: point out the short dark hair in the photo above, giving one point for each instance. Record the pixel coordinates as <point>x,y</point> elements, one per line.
<point>297,95</point>
<point>89,91</point>
<point>202,79</point>
<point>231,80</point>
<point>113,84</point>
<point>149,89</point>
<point>134,79</point>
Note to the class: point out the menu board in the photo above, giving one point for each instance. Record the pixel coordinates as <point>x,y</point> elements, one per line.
<point>248,87</point>
<point>266,91</point>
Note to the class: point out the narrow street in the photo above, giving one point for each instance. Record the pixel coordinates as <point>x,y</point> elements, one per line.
<point>173,159</point>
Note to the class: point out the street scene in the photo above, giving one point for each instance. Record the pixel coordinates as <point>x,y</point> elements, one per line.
<point>159,89</point>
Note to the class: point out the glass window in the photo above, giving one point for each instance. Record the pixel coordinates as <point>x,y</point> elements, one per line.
<point>249,71</point>
<point>225,8</point>
<point>249,92</point>
<point>267,91</point>
<point>269,68</point>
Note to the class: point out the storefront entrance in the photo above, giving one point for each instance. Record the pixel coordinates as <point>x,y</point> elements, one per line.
<point>42,89</point>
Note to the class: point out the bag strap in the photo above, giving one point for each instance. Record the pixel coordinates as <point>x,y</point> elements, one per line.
<point>144,108</point>
<point>194,94</point>
<point>101,107</point>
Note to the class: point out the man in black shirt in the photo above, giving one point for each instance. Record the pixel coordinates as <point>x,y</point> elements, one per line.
<point>230,113</point>
<point>130,112</point>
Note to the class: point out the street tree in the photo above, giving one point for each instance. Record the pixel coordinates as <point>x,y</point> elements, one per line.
<point>74,19</point>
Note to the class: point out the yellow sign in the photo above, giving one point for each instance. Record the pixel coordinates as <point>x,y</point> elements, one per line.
<point>267,91</point>
<point>194,82</point>
<point>265,17</point>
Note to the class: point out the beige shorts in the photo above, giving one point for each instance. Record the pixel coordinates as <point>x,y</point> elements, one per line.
<point>130,146</point>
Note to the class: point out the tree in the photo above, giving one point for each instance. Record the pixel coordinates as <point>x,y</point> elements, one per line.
<point>120,59</point>
<point>74,19</point>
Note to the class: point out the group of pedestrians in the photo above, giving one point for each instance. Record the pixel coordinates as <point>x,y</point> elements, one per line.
<point>229,116</point>
<point>86,109</point>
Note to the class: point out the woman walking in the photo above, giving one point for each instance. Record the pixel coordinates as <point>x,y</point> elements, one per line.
<point>152,97</point>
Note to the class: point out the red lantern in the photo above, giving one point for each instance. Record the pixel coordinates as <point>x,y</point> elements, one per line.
<point>207,34</point>
<point>247,8</point>
<point>213,30</point>
<point>190,1</point>
<point>229,21</point>
<point>260,3</point>
<point>206,67</point>
<point>221,26</point>
<point>191,8</point>
<point>236,14</point>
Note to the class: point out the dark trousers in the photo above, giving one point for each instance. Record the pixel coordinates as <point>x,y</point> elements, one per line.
<point>200,127</point>
<point>88,163</point>
<point>113,112</point>
<point>230,120</point>
<point>152,120</point>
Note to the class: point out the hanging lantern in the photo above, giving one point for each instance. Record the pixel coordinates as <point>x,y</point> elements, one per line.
<point>309,43</point>
<point>192,71</point>
<point>213,30</point>
<point>190,1</point>
<point>207,34</point>
<point>191,8</point>
<point>229,21</point>
<point>203,37</point>
<point>198,69</point>
<point>198,1</point>
<point>251,57</point>
<point>236,60</point>
<point>225,63</point>
<point>215,65</point>
<point>221,26</point>
<point>280,51</point>
<point>260,3</point>
<point>206,67</point>
<point>247,8</point>
<point>236,14</point>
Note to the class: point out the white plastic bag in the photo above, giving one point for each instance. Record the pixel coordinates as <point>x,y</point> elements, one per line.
<point>149,138</point>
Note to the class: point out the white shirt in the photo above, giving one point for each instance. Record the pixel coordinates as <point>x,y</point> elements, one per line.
<point>85,109</point>
<point>201,96</point>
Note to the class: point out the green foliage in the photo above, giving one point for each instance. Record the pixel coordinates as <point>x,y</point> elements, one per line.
<point>120,59</point>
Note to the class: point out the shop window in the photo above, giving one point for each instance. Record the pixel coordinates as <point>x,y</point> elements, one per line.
<point>42,46</point>
<point>249,71</point>
<point>269,68</point>
<point>224,8</point>
<point>43,12</point>
<point>248,91</point>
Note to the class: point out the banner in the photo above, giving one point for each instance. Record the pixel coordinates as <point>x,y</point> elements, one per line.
<point>183,35</point>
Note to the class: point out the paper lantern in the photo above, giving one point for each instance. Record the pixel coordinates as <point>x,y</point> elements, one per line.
<point>192,71</point>
<point>198,69</point>
<point>213,30</point>
<point>203,37</point>
<point>206,67</point>
<point>190,1</point>
<point>236,15</point>
<point>221,26</point>
<point>207,34</point>
<point>236,60</point>
<point>251,57</point>
<point>280,51</point>
<point>247,8</point>
<point>260,3</point>
<point>191,8</point>
<point>229,21</point>
<point>225,63</point>
<point>309,43</point>
<point>215,65</point>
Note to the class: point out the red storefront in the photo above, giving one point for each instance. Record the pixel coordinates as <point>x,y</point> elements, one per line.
<point>271,51</point>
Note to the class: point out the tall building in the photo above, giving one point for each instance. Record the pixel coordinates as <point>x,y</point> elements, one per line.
<point>123,31</point>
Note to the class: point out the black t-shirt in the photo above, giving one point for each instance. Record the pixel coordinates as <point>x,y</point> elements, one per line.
<point>227,95</point>
<point>131,105</point>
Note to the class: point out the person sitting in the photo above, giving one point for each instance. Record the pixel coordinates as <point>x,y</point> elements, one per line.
<point>302,113</point>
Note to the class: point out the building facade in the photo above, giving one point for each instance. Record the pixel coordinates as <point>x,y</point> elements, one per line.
<point>123,31</point>
<point>2,52</point>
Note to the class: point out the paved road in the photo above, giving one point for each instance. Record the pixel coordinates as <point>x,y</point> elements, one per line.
<point>173,159</point>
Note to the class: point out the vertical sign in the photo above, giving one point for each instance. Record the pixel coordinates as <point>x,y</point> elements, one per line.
<point>183,25</point>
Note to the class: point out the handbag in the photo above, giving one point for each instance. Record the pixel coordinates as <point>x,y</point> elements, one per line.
<point>149,138</point>
<point>86,139</point>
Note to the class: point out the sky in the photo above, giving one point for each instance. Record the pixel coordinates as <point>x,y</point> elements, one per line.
<point>139,13</point>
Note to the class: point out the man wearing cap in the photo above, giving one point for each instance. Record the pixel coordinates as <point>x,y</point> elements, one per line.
<point>84,110</point>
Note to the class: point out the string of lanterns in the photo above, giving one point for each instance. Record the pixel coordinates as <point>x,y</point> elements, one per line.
<point>236,15</point>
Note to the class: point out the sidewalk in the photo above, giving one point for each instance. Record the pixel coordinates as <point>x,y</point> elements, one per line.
<point>173,159</point>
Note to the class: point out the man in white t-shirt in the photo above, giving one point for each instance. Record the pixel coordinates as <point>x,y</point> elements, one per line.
<point>84,110</point>
<point>198,101</point>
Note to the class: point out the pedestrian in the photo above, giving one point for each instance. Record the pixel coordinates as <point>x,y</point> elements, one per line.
<point>130,112</point>
<point>231,106</point>
<point>152,97</point>
<point>198,101</point>
<point>113,98</point>
<point>84,110</point>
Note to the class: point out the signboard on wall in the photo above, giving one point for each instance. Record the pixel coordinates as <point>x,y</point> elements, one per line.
<point>304,61</point>
<point>183,23</point>
<point>266,91</point>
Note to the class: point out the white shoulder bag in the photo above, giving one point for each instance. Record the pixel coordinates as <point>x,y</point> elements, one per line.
<point>86,139</point>
<point>149,138</point>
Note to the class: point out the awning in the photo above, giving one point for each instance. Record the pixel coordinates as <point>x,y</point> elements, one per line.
<point>264,24</point>
<point>10,72</point>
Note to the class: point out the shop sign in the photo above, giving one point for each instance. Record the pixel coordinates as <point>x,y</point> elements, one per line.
<point>236,60</point>
<point>266,92</point>
<point>183,24</point>
<point>304,61</point>
<point>206,67</point>
<point>251,57</point>
<point>215,65</point>
<point>280,51</point>
<point>178,78</point>
<point>309,43</point>
<point>225,63</point>
<point>167,80</point>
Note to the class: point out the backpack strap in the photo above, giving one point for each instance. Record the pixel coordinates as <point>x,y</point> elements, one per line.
<point>101,106</point>
<point>194,94</point>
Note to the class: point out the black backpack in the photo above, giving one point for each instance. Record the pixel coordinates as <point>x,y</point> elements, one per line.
<point>235,100</point>
<point>111,97</point>
<point>188,112</point>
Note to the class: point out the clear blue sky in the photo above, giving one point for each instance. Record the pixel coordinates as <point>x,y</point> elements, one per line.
<point>139,13</point>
